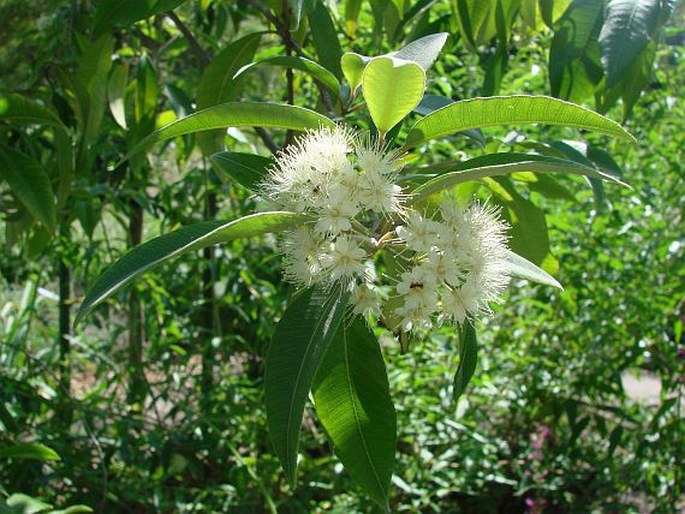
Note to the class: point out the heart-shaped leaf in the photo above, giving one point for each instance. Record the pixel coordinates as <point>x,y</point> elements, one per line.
<point>392,88</point>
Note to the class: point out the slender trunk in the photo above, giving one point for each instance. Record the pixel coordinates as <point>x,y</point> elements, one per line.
<point>64,341</point>
<point>209,305</point>
<point>136,392</point>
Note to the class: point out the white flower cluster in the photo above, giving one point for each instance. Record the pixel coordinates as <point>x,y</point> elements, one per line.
<point>348,187</point>
<point>458,265</point>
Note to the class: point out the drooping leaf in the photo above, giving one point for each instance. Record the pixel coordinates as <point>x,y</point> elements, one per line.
<point>508,110</point>
<point>392,88</point>
<point>424,51</point>
<point>352,401</point>
<point>246,169</point>
<point>325,38</point>
<point>30,184</point>
<point>318,72</point>
<point>628,27</point>
<point>110,13</point>
<point>300,342</point>
<point>161,249</point>
<point>501,164</point>
<point>239,114</point>
<point>468,358</point>
<point>19,503</point>
<point>19,110</point>
<point>33,451</point>
<point>522,268</point>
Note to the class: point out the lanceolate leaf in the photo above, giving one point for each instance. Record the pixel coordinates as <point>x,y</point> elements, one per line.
<point>30,184</point>
<point>628,27</point>
<point>501,164</point>
<point>302,337</point>
<point>353,403</point>
<point>325,38</point>
<point>509,110</point>
<point>318,72</point>
<point>468,358</point>
<point>20,110</point>
<point>29,451</point>
<point>169,246</point>
<point>523,268</point>
<point>246,169</point>
<point>239,114</point>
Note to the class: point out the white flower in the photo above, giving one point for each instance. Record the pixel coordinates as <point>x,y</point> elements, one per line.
<point>365,301</point>
<point>461,302</point>
<point>377,193</point>
<point>420,233</point>
<point>336,215</point>
<point>345,260</point>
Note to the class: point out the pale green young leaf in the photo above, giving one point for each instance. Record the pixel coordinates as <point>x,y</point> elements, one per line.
<point>424,51</point>
<point>352,401</point>
<point>116,93</point>
<point>392,88</point>
<point>161,249</point>
<point>522,268</point>
<point>509,110</point>
<point>299,344</point>
<point>353,66</point>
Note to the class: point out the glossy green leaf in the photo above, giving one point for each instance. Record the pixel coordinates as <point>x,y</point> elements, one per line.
<point>325,38</point>
<point>161,249</point>
<point>392,88</point>
<point>302,338</point>
<point>468,358</point>
<point>352,401</point>
<point>110,13</point>
<point>424,51</point>
<point>30,184</point>
<point>74,509</point>
<point>509,110</point>
<point>246,169</point>
<point>628,27</point>
<point>19,110</point>
<point>24,504</point>
<point>315,70</point>
<point>522,268</point>
<point>501,164</point>
<point>239,114</point>
<point>32,451</point>
<point>552,10</point>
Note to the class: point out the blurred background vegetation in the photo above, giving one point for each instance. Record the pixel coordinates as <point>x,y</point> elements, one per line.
<point>155,404</point>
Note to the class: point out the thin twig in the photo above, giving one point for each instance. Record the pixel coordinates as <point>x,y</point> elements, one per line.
<point>204,57</point>
<point>266,138</point>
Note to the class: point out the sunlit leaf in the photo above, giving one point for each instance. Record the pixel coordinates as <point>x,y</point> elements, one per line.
<point>353,403</point>
<point>523,268</point>
<point>509,110</point>
<point>180,242</point>
<point>302,337</point>
<point>34,451</point>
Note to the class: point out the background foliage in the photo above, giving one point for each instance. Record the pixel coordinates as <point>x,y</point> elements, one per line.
<point>157,404</point>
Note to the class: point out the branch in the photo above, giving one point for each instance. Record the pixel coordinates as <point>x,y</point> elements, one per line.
<point>266,138</point>
<point>204,57</point>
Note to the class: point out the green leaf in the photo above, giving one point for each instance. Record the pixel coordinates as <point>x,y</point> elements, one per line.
<point>302,337</point>
<point>246,169</point>
<point>29,451</point>
<point>424,51</point>
<point>116,93</point>
<point>25,504</point>
<point>352,401</point>
<point>239,114</point>
<point>468,358</point>
<point>30,184</point>
<point>180,242</point>
<point>110,13</point>
<point>507,110</point>
<point>74,509</point>
<point>628,26</point>
<point>392,88</point>
<point>318,72</point>
<point>325,38</point>
<point>353,66</point>
<point>522,268</point>
<point>504,163</point>
<point>19,110</point>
